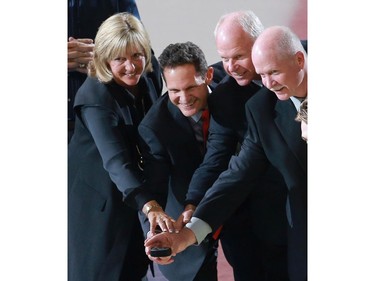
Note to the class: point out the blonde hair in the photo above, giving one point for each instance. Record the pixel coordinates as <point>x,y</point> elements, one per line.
<point>119,33</point>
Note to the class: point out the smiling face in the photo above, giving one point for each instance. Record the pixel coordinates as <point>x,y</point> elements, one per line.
<point>281,74</point>
<point>279,59</point>
<point>234,46</point>
<point>186,89</point>
<point>128,68</point>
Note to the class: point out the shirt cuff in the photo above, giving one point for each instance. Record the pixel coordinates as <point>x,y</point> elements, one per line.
<point>200,228</point>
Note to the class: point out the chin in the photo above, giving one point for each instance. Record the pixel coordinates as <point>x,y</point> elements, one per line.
<point>188,113</point>
<point>243,81</point>
<point>282,96</point>
<point>131,81</point>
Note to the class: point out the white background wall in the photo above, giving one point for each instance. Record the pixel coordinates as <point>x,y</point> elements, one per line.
<point>171,21</point>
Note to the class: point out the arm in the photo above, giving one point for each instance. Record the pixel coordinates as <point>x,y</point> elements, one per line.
<point>221,145</point>
<point>221,200</point>
<point>156,173</point>
<point>236,183</point>
<point>114,147</point>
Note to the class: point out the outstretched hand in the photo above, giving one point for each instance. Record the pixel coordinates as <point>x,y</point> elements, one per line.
<point>176,241</point>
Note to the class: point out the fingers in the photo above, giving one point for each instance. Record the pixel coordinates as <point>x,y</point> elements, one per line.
<point>79,60</point>
<point>80,53</point>
<point>161,219</point>
<point>80,47</point>
<point>179,224</point>
<point>81,40</point>
<point>187,216</point>
<point>158,240</point>
<point>162,260</point>
<point>177,242</point>
<point>166,223</point>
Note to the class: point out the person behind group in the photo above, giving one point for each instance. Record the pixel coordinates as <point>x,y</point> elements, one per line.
<point>105,239</point>
<point>84,19</point>
<point>259,225</point>
<point>172,132</point>
<point>302,117</point>
<point>273,139</point>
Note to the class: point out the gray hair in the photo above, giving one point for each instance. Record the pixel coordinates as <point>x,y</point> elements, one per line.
<point>249,21</point>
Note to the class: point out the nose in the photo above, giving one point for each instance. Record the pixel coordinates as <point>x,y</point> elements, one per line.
<point>183,97</point>
<point>129,65</point>
<point>231,65</point>
<point>267,81</point>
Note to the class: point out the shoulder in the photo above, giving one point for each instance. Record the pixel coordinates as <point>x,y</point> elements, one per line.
<point>92,91</point>
<point>157,113</point>
<point>219,73</point>
<point>230,96</point>
<point>262,100</point>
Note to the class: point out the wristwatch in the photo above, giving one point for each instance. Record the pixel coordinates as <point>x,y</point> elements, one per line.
<point>148,207</point>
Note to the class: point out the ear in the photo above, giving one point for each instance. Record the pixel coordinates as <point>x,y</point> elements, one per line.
<point>300,59</point>
<point>209,75</point>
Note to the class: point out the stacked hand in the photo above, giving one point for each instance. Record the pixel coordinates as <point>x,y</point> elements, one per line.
<point>176,241</point>
<point>80,53</point>
<point>157,217</point>
<point>169,237</point>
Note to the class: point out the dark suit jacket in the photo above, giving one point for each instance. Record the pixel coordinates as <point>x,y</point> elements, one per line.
<point>102,172</point>
<point>274,139</point>
<point>171,154</point>
<point>264,212</point>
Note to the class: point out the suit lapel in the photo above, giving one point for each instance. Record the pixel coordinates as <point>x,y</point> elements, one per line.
<point>180,119</point>
<point>291,130</point>
<point>184,125</point>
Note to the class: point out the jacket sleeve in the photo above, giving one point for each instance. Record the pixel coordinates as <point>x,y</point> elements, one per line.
<point>234,185</point>
<point>156,164</point>
<point>113,147</point>
<point>222,144</point>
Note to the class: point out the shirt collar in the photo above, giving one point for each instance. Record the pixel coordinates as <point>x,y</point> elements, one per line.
<point>297,102</point>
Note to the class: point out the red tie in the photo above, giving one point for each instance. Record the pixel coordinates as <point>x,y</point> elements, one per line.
<point>217,233</point>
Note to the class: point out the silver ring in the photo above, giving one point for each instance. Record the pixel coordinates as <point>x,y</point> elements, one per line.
<point>82,65</point>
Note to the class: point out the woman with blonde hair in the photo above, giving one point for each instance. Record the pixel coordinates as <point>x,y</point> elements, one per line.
<point>105,240</point>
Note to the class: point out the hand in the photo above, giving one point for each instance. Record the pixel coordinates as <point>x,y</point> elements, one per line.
<point>185,217</point>
<point>157,217</point>
<point>176,241</point>
<point>159,260</point>
<point>80,53</point>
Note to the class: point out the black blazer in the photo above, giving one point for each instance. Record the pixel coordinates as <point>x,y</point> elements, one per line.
<point>102,172</point>
<point>171,155</point>
<point>274,138</point>
<point>265,210</point>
